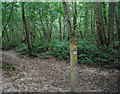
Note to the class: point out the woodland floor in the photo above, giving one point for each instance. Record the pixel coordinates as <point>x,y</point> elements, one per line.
<point>52,75</point>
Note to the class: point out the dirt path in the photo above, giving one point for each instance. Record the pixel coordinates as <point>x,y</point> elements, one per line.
<point>38,75</point>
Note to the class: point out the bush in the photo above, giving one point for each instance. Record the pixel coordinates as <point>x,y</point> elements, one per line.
<point>60,49</point>
<point>105,56</point>
<point>88,53</point>
<point>22,49</point>
<point>10,45</point>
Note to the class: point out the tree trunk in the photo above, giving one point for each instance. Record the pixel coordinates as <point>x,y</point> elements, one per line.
<point>85,21</point>
<point>100,24</point>
<point>64,28</point>
<point>92,23</point>
<point>4,29</point>
<point>26,31</point>
<point>73,49</point>
<point>43,29</point>
<point>104,14</point>
<point>50,31</point>
<point>75,18</point>
<point>7,35</point>
<point>80,31</point>
<point>60,28</point>
<point>118,26</point>
<point>67,16</point>
<point>111,24</point>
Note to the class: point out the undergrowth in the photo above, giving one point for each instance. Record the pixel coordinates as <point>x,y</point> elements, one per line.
<point>88,53</point>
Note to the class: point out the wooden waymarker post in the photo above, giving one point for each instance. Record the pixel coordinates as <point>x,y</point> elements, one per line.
<point>73,64</point>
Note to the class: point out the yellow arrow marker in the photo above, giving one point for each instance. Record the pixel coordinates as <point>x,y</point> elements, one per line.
<point>75,46</point>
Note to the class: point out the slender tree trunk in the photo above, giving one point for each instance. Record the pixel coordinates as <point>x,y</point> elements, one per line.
<point>92,30</point>
<point>49,26</point>
<point>64,28</point>
<point>7,36</point>
<point>118,26</point>
<point>26,29</point>
<point>85,21</point>
<point>40,35</point>
<point>92,23</point>
<point>50,31</point>
<point>80,31</point>
<point>75,18</point>
<point>104,14</point>
<point>67,16</point>
<point>43,29</point>
<point>100,24</point>
<point>79,25</point>
<point>111,24</point>
<point>60,28</point>
<point>4,29</point>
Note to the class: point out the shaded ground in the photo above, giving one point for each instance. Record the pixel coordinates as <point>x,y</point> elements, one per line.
<point>38,75</point>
